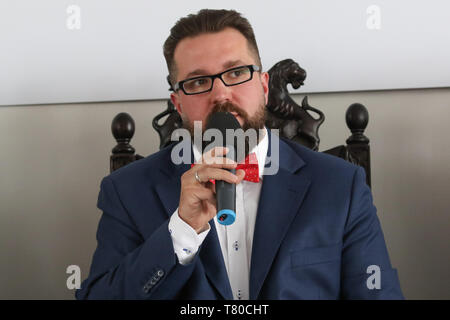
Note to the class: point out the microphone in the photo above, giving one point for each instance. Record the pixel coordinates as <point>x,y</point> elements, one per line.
<point>225,192</point>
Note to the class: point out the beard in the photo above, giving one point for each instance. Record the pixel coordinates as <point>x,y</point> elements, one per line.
<point>255,122</point>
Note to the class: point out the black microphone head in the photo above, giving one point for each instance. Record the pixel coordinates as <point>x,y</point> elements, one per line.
<point>221,121</point>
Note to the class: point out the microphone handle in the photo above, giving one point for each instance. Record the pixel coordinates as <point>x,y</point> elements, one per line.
<point>226,201</point>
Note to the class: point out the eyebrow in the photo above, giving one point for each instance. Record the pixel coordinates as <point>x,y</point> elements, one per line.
<point>226,65</point>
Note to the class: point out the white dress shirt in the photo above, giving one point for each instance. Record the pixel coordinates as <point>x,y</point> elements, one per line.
<point>236,239</point>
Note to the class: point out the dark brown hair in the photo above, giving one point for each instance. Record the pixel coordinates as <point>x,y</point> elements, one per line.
<point>207,21</point>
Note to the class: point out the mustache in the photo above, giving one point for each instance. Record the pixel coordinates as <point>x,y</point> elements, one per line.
<point>229,107</point>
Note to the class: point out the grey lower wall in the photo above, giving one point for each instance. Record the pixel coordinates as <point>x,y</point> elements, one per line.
<point>52,158</point>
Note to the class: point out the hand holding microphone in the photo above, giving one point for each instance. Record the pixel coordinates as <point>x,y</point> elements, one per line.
<point>198,198</point>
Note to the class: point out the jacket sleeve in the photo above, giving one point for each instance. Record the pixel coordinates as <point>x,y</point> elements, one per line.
<point>126,266</point>
<point>366,269</point>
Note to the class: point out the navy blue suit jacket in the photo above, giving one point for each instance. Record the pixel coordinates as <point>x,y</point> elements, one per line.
<point>316,233</point>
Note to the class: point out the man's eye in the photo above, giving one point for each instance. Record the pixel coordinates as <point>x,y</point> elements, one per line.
<point>199,82</point>
<point>237,73</point>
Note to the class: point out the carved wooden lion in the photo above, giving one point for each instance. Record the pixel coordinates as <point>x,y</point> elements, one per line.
<point>284,113</point>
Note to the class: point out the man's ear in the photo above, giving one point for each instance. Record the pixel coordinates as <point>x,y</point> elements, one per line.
<point>174,97</point>
<point>265,84</point>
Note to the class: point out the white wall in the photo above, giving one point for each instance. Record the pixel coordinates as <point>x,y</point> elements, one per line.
<point>58,51</point>
<point>52,158</point>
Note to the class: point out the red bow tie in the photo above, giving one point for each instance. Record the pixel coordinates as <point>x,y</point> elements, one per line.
<point>250,166</point>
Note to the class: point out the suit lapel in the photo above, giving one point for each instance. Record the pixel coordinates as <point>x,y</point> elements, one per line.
<point>169,188</point>
<point>280,199</point>
<point>210,251</point>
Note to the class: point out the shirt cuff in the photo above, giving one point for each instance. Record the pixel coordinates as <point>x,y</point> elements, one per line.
<point>184,238</point>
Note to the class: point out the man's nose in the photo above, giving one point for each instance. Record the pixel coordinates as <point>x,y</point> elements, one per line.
<point>220,92</point>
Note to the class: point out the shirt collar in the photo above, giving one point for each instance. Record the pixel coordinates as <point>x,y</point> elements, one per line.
<point>260,150</point>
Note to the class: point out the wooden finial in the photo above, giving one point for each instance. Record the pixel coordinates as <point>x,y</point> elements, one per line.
<point>357,118</point>
<point>122,128</point>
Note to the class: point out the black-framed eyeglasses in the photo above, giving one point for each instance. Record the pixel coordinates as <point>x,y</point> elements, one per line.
<point>230,77</point>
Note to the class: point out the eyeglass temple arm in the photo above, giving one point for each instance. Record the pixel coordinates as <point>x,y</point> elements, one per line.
<point>170,84</point>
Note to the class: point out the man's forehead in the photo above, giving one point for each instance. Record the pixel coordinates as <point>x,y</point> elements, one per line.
<point>211,52</point>
<point>226,65</point>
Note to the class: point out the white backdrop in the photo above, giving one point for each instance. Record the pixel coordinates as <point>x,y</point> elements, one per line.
<point>112,50</point>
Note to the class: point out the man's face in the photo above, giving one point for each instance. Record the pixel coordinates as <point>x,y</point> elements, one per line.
<point>212,53</point>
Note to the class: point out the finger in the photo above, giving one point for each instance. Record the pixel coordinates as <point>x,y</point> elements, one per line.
<point>216,151</point>
<point>203,194</point>
<point>216,155</point>
<point>208,173</point>
<point>240,174</point>
<point>210,206</point>
<point>211,186</point>
<point>212,200</point>
<point>212,210</point>
<point>219,163</point>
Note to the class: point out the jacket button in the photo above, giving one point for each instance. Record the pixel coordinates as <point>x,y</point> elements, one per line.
<point>160,273</point>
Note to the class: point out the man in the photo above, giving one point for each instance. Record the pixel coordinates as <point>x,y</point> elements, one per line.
<point>310,231</point>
